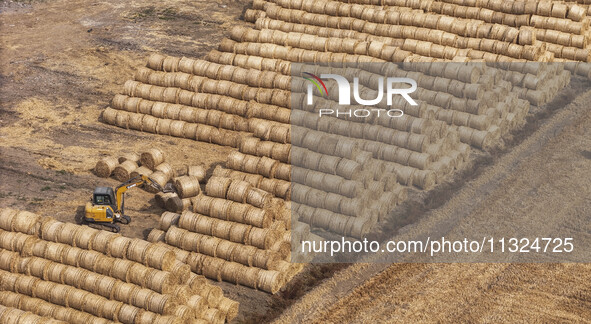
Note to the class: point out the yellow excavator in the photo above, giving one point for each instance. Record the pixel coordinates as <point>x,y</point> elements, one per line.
<point>106,206</point>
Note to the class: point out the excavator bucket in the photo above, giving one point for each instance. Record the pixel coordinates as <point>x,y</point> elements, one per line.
<point>169,188</point>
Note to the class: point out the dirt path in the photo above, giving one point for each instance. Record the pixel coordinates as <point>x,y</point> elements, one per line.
<point>544,183</point>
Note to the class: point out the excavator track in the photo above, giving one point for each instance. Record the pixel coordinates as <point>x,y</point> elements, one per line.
<point>105,227</point>
<point>124,220</point>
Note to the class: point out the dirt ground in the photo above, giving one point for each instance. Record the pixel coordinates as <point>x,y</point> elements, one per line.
<point>62,61</point>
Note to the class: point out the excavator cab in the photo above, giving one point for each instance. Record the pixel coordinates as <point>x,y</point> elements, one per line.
<point>104,196</point>
<point>101,209</point>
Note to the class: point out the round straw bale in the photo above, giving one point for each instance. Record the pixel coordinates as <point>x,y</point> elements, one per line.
<point>161,198</point>
<point>187,220</point>
<point>9,281</point>
<point>250,164</point>
<point>268,185</point>
<point>104,286</point>
<point>196,282</point>
<point>123,171</point>
<point>283,172</point>
<point>159,304</point>
<point>122,119</point>
<point>10,299</point>
<point>235,160</point>
<point>118,246</point>
<point>25,285</point>
<point>249,145</point>
<point>204,224</point>
<point>105,167</point>
<point>137,250</point>
<point>232,211</point>
<point>229,307</point>
<point>197,303</point>
<point>39,248</point>
<point>174,204</point>
<point>197,171</point>
<point>50,310</point>
<point>159,257</point>
<point>267,167</point>
<point>10,260</point>
<point>156,235</point>
<point>73,276</point>
<point>258,198</point>
<point>141,297</point>
<point>88,259</point>
<point>221,229</point>
<point>92,304</point>
<point>42,290</point>
<point>212,268</point>
<point>123,291</point>
<point>67,233</point>
<point>282,189</point>
<point>181,293</point>
<point>179,268</point>
<point>76,298</point>
<point>25,222</point>
<point>110,308</point>
<point>159,281</point>
<point>104,264</point>
<point>174,236</point>
<point>135,121</point>
<point>249,277</point>
<point>50,230</point>
<point>149,124</point>
<point>7,216</point>
<point>101,241</point>
<point>183,312</point>
<point>127,313</point>
<point>14,241</point>
<point>202,204</point>
<point>152,158</point>
<point>213,315</point>
<point>212,294</point>
<point>187,186</point>
<point>109,116</point>
<point>155,61</point>
<point>238,191</point>
<point>85,237</point>
<point>217,186</point>
<point>158,177</point>
<point>177,128</point>
<point>262,238</point>
<point>195,261</point>
<point>166,169</point>
<point>207,244</point>
<point>137,274</point>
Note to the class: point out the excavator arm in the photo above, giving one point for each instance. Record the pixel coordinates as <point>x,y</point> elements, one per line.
<point>137,181</point>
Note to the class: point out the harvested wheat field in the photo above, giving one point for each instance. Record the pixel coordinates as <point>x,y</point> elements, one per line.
<point>196,130</point>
